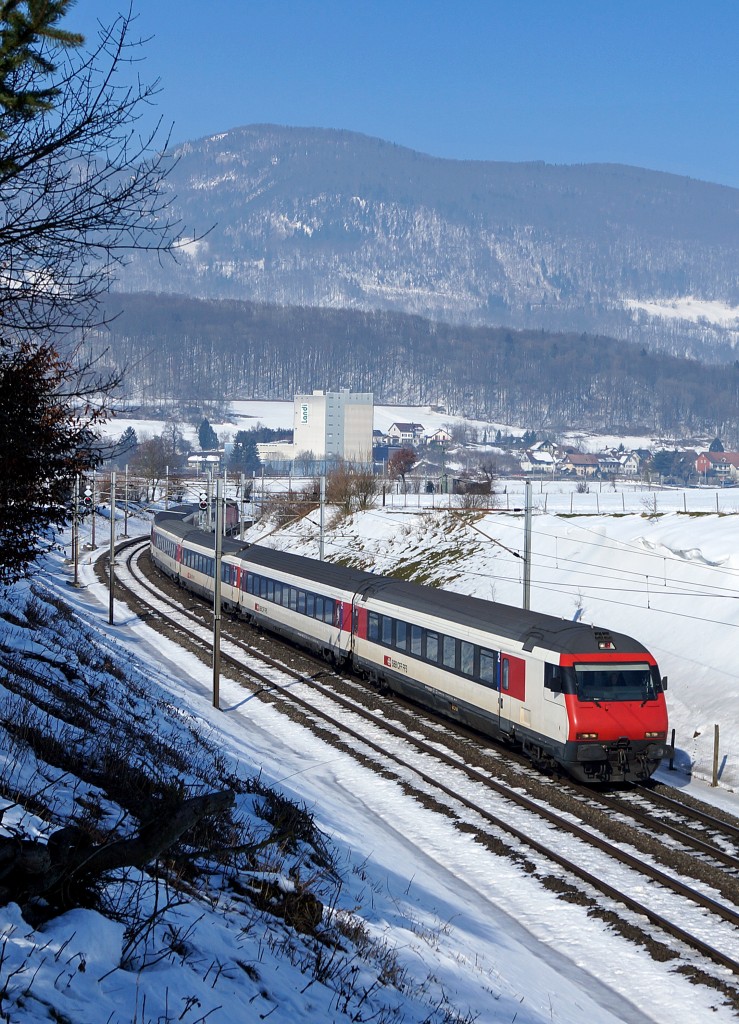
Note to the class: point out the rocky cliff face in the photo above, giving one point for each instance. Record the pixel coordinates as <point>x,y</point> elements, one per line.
<point>336,219</point>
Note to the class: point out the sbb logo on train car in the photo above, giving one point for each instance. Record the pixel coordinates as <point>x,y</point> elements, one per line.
<point>399,666</point>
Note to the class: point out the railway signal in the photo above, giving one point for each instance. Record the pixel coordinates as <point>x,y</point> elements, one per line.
<point>87,499</point>
<point>203,501</point>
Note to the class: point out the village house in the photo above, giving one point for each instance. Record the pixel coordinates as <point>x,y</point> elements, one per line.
<point>580,465</point>
<point>439,436</point>
<point>724,465</point>
<point>537,462</point>
<point>629,463</point>
<point>206,461</point>
<point>405,433</point>
<point>609,465</point>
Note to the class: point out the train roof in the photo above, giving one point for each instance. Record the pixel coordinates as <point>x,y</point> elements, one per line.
<point>530,629</point>
<point>310,568</point>
<point>185,529</point>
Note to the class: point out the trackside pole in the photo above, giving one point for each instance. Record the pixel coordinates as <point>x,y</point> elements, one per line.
<point>714,780</point>
<point>217,597</point>
<point>111,556</point>
<point>527,550</point>
<point>321,515</point>
<point>76,531</point>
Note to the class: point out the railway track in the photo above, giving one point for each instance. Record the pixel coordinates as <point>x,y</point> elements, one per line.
<point>687,883</point>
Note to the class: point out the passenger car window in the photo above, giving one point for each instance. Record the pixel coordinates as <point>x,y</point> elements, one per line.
<point>467,658</point>
<point>387,630</point>
<point>487,667</point>
<point>449,652</point>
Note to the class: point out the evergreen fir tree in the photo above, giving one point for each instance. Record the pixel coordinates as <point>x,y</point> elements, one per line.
<point>207,437</point>
<point>244,456</point>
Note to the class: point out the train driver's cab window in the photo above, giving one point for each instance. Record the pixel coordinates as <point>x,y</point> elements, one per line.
<point>616,681</point>
<point>553,678</point>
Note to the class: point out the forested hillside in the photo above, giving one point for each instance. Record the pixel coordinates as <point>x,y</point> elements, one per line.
<point>315,217</point>
<point>190,349</point>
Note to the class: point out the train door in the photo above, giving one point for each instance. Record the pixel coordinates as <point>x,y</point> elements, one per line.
<point>511,691</point>
<point>555,710</point>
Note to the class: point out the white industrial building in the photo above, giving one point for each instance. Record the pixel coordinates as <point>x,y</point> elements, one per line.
<point>334,424</point>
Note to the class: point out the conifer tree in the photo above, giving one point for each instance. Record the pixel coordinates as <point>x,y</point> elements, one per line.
<point>244,455</point>
<point>207,437</point>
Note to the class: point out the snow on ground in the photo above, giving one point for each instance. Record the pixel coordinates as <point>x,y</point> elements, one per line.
<point>478,934</point>
<point>244,415</point>
<point>279,415</point>
<point>662,566</point>
<point>688,307</point>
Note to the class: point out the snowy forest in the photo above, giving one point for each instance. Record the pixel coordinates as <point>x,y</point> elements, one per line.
<point>174,347</point>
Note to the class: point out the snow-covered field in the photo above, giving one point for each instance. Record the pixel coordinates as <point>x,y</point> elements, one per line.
<point>687,307</point>
<point>491,946</point>
<point>279,415</point>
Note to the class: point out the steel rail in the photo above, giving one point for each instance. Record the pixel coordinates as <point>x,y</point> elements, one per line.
<point>667,881</point>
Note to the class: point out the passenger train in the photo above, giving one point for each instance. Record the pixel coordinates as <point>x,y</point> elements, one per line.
<point>573,697</point>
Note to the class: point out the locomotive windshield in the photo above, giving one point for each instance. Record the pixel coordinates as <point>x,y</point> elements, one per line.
<point>615,681</point>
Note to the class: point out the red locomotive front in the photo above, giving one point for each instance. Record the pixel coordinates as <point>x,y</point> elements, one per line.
<point>617,715</point>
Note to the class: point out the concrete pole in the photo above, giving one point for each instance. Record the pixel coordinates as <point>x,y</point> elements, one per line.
<point>321,517</point>
<point>76,531</point>
<point>125,507</point>
<point>94,503</point>
<point>111,554</point>
<point>527,550</point>
<point>217,597</point>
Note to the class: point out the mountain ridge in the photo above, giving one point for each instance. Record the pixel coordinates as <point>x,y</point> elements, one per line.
<point>333,218</point>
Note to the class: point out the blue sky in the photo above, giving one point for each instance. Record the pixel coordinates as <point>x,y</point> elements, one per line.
<point>653,83</point>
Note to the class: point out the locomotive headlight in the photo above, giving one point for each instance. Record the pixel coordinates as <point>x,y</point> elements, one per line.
<point>587,736</point>
<point>652,735</point>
